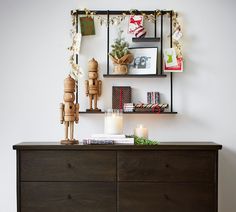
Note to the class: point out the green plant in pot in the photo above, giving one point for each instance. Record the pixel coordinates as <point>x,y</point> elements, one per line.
<point>120,55</point>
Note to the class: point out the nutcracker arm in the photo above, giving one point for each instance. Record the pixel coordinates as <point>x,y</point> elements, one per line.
<point>76,113</point>
<point>99,87</point>
<point>62,106</point>
<point>86,87</point>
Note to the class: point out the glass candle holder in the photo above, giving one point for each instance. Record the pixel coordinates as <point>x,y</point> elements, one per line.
<point>113,122</point>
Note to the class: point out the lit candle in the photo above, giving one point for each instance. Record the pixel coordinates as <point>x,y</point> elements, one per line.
<point>141,131</point>
<point>113,123</point>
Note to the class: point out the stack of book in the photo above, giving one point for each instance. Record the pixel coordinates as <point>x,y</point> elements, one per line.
<point>153,97</point>
<point>128,107</point>
<point>108,139</point>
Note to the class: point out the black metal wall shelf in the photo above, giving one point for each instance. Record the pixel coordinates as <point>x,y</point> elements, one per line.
<point>146,39</point>
<point>92,112</point>
<point>131,113</point>
<point>134,76</point>
<point>159,74</point>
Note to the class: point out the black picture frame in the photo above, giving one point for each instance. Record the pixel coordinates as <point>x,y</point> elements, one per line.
<point>145,61</point>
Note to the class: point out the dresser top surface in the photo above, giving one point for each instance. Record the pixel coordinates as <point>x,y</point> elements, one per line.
<point>160,146</point>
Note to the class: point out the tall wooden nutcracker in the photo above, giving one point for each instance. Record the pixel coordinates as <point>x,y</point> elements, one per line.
<point>69,110</point>
<point>93,85</point>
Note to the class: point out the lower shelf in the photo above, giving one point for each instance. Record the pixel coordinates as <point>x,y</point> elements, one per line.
<point>102,112</point>
<point>134,75</point>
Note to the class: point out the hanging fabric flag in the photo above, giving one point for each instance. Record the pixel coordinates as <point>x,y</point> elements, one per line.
<point>135,21</point>
<point>170,57</point>
<point>87,26</point>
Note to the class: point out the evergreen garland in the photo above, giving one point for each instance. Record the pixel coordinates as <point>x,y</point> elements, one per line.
<point>142,141</point>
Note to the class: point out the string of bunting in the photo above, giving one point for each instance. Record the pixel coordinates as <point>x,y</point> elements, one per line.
<point>177,35</point>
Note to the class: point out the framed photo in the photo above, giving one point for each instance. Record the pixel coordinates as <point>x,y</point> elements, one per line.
<point>145,61</point>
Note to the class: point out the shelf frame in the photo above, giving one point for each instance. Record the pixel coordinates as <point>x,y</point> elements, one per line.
<point>159,74</point>
<point>107,13</point>
<point>171,74</point>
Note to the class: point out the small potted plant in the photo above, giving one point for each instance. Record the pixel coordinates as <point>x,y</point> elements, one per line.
<point>120,55</point>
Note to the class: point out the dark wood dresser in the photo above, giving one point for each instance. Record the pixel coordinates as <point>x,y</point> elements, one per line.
<point>170,177</point>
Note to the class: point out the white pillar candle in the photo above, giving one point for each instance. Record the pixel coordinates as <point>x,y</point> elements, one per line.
<point>141,131</point>
<point>113,124</point>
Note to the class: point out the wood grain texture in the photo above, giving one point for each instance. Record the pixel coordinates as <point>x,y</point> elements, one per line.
<point>68,197</point>
<point>166,197</point>
<point>68,166</point>
<point>166,166</point>
<point>170,177</point>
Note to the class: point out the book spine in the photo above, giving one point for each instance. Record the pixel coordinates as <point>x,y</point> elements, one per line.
<point>153,98</point>
<point>104,136</point>
<point>157,98</point>
<point>149,97</point>
<point>97,142</point>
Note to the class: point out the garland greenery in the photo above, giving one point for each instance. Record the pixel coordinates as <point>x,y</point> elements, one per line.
<point>142,141</point>
<point>116,20</point>
<point>177,27</point>
<point>75,72</point>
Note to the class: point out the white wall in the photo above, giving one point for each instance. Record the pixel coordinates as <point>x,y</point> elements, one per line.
<point>34,36</point>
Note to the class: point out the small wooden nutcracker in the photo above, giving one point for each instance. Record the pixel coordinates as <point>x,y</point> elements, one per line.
<point>69,110</point>
<point>93,85</point>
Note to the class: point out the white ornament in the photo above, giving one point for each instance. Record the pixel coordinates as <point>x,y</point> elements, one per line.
<point>177,35</point>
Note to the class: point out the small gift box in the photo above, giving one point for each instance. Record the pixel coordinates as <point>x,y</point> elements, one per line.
<point>120,96</point>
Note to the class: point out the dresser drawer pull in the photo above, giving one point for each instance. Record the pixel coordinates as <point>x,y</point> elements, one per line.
<point>166,197</point>
<point>167,165</point>
<point>69,165</point>
<point>69,196</point>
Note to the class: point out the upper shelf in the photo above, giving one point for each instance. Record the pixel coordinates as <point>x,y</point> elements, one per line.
<point>134,75</point>
<point>146,39</point>
<point>120,12</point>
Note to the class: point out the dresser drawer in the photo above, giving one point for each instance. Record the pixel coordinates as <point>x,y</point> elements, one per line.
<point>166,166</point>
<point>166,197</point>
<point>68,166</point>
<point>68,197</point>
